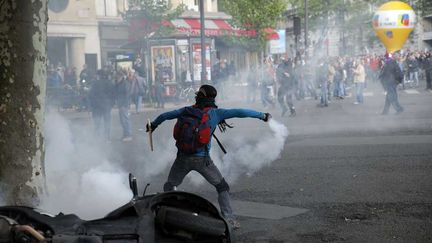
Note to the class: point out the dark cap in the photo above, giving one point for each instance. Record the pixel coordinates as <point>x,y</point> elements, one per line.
<point>207,91</point>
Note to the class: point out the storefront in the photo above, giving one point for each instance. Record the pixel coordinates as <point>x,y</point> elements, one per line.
<point>176,60</point>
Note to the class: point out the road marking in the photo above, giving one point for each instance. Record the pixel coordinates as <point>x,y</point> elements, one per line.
<point>264,210</point>
<point>411,91</point>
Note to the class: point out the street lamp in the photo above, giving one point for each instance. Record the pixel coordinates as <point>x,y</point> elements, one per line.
<point>203,47</point>
<point>306,27</point>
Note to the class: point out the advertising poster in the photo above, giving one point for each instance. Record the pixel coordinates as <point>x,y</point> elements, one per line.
<point>278,46</point>
<point>197,62</point>
<point>163,64</point>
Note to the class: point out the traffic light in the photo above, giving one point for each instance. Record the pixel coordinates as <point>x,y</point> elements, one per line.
<point>297,26</point>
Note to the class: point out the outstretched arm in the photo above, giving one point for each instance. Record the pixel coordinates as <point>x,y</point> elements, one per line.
<point>241,113</point>
<point>165,116</point>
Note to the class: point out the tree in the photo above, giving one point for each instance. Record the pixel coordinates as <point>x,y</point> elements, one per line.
<point>23,27</point>
<point>152,14</point>
<point>254,14</point>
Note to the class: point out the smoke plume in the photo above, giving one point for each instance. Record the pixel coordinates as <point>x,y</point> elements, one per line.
<point>79,174</point>
<point>247,158</point>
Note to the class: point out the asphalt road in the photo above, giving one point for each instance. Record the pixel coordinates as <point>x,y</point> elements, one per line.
<point>362,176</point>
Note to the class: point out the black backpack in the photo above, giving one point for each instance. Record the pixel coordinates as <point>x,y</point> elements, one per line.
<point>192,131</point>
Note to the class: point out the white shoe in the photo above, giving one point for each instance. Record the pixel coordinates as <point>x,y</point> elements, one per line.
<point>127,139</point>
<point>356,103</point>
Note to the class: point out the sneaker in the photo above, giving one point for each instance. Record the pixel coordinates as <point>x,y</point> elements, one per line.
<point>127,139</point>
<point>356,103</point>
<point>235,225</point>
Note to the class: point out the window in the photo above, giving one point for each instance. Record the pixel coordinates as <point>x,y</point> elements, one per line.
<point>106,8</point>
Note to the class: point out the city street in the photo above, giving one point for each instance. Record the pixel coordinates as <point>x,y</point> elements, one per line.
<point>346,173</point>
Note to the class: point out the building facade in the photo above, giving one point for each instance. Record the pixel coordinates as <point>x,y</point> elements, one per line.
<point>85,31</point>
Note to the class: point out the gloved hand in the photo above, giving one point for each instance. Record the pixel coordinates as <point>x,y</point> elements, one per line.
<point>152,127</point>
<point>267,117</point>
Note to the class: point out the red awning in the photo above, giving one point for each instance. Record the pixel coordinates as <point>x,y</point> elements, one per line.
<point>213,27</point>
<point>271,34</point>
<point>192,26</point>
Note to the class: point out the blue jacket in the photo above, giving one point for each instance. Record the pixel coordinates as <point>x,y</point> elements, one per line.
<point>216,115</point>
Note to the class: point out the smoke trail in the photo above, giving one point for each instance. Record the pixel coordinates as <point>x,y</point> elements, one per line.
<point>248,158</point>
<point>79,175</point>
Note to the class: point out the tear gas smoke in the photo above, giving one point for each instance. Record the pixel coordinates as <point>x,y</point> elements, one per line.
<point>79,175</point>
<point>247,158</point>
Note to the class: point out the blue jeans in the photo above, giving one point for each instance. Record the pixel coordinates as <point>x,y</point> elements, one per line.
<point>413,76</point>
<point>98,117</point>
<point>125,121</point>
<point>203,165</point>
<point>138,102</point>
<point>324,93</point>
<point>359,92</point>
<point>340,88</point>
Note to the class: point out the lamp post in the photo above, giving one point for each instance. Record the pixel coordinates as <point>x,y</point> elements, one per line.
<point>203,46</point>
<point>306,27</point>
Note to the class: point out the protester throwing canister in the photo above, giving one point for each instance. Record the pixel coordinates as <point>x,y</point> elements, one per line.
<point>192,132</point>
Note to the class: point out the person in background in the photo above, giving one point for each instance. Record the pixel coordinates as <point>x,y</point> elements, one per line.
<point>197,156</point>
<point>159,90</point>
<point>101,100</point>
<point>413,69</point>
<point>391,76</point>
<point>339,89</point>
<point>252,84</point>
<point>427,65</point>
<point>137,89</point>
<point>359,81</point>
<point>267,82</point>
<point>287,87</point>
<point>122,95</point>
<point>322,81</point>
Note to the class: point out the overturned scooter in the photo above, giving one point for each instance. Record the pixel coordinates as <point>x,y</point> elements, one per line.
<point>163,217</point>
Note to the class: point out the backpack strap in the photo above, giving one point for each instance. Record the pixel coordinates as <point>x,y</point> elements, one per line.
<point>220,144</point>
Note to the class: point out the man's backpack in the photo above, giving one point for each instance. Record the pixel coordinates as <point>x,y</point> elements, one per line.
<point>397,73</point>
<point>192,131</point>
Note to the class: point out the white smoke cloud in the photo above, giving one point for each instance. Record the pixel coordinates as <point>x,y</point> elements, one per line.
<point>80,178</point>
<point>247,158</point>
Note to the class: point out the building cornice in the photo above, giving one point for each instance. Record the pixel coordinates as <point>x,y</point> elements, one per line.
<point>72,22</point>
<point>208,15</point>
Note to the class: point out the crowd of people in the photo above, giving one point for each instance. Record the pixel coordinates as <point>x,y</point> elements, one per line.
<point>283,82</point>
<point>289,79</point>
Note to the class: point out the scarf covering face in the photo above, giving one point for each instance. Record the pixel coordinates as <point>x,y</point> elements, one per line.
<point>202,102</point>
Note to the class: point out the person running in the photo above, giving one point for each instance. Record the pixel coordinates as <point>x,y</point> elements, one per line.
<point>287,87</point>
<point>193,130</point>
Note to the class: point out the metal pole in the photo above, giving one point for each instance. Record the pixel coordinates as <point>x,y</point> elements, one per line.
<point>203,46</point>
<point>306,27</point>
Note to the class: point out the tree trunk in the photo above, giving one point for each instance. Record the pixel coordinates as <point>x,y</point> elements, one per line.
<point>23,35</point>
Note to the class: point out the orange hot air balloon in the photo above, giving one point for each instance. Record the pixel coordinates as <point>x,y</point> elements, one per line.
<point>393,22</point>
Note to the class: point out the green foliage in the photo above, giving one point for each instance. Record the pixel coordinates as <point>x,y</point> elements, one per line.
<point>253,14</point>
<point>154,12</point>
